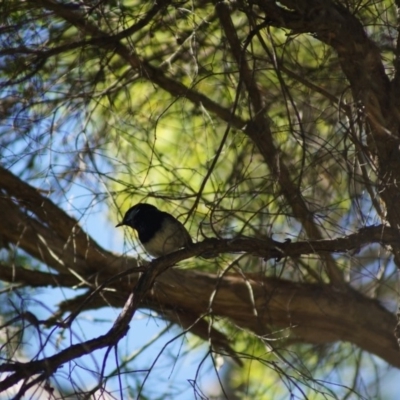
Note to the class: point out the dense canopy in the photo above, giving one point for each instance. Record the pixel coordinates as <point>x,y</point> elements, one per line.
<point>270,129</point>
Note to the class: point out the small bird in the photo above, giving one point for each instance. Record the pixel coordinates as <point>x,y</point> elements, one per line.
<point>159,232</point>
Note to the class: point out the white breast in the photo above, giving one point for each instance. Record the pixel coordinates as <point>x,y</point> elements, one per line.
<point>171,237</point>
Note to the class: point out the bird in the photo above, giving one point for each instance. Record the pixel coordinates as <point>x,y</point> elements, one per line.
<point>159,232</point>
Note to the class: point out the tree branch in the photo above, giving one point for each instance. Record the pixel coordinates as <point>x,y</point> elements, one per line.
<point>311,313</point>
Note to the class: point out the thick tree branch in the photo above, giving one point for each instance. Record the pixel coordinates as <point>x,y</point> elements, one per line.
<point>22,196</point>
<point>28,277</point>
<point>312,313</point>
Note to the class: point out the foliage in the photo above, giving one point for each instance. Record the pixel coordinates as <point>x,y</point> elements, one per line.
<point>269,128</point>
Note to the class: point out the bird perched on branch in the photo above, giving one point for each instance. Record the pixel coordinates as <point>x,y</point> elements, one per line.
<point>159,232</point>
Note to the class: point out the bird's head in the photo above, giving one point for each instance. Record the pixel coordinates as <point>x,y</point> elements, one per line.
<point>136,213</point>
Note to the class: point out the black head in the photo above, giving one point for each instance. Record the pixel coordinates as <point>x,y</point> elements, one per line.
<point>138,213</point>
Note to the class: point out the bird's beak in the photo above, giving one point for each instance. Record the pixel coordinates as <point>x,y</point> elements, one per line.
<point>120,224</point>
